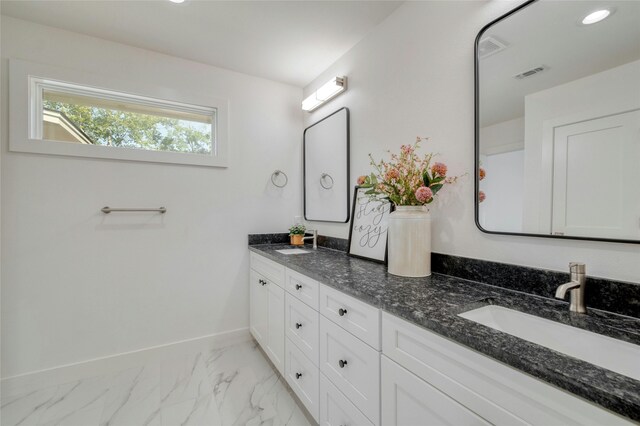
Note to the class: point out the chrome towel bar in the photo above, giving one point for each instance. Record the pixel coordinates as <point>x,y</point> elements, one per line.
<point>108,210</point>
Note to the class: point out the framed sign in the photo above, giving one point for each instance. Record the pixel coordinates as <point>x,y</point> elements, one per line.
<point>369,225</point>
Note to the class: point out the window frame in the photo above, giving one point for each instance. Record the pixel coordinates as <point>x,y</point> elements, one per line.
<point>27,81</point>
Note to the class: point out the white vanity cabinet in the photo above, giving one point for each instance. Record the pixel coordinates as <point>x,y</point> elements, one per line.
<point>326,337</point>
<point>266,308</point>
<point>352,364</point>
<point>423,373</point>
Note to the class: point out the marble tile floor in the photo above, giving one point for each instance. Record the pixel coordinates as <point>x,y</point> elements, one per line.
<point>235,385</point>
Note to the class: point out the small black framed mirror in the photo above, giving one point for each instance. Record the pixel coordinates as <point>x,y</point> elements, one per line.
<point>326,169</point>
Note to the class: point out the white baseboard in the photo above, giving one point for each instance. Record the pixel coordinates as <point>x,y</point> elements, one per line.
<point>114,363</point>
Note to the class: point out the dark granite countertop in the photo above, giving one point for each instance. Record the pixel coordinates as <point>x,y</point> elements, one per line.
<point>435,302</point>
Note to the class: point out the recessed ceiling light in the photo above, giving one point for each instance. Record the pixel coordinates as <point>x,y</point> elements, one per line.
<point>596,16</point>
<point>176,1</point>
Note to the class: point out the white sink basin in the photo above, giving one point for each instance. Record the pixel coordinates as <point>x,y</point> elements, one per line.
<point>612,354</point>
<point>292,251</point>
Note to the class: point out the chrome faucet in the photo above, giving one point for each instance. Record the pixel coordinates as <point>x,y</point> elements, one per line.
<point>314,236</point>
<point>576,287</point>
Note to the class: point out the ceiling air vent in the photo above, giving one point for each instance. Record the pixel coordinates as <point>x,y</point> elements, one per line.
<point>489,46</point>
<point>529,73</point>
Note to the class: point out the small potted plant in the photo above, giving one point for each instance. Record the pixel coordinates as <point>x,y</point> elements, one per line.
<point>296,234</point>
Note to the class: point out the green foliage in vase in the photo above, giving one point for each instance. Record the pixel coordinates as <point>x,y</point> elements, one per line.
<point>407,179</point>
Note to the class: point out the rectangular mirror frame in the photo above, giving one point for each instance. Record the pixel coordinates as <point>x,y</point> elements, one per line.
<point>304,175</point>
<point>477,145</point>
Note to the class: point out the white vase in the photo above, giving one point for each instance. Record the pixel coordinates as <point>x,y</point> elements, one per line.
<point>409,251</point>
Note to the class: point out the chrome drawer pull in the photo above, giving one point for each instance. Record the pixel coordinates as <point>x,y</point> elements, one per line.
<point>298,325</point>
<point>342,312</point>
<point>298,286</point>
<point>342,363</point>
<point>298,375</point>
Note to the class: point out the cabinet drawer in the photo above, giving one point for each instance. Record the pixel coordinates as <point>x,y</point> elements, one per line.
<point>303,377</point>
<point>498,393</point>
<point>336,409</point>
<point>303,287</point>
<point>267,268</point>
<point>408,400</point>
<point>352,366</point>
<point>302,327</point>
<point>359,318</point>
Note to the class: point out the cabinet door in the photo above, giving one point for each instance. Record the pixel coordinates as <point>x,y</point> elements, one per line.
<point>408,400</point>
<point>258,307</point>
<point>275,325</point>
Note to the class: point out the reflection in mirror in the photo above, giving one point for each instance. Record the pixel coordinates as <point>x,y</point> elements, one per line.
<point>558,121</point>
<point>326,169</point>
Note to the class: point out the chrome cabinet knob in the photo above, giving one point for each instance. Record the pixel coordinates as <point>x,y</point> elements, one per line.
<point>298,375</point>
<point>342,363</point>
<point>298,325</point>
<point>342,312</point>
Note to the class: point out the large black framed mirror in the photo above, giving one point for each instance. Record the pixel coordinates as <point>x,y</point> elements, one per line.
<point>557,121</point>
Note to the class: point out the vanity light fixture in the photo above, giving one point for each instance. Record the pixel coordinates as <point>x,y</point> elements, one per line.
<point>328,91</point>
<point>596,16</point>
<point>177,1</point>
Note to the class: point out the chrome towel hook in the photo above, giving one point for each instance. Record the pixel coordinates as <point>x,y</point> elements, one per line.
<point>275,175</point>
<point>322,180</point>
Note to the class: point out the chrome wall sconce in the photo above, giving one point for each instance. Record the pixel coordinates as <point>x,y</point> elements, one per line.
<point>328,91</point>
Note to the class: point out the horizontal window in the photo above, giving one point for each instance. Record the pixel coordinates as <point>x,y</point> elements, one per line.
<point>66,112</point>
<point>79,114</point>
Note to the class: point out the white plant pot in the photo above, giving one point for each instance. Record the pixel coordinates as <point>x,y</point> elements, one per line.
<point>409,251</point>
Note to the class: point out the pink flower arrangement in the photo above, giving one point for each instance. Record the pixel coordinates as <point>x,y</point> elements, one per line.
<point>481,196</point>
<point>482,173</point>
<point>407,179</point>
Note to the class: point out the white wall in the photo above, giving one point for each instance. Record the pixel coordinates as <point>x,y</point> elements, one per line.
<point>77,284</point>
<point>413,75</point>
<point>502,137</point>
<point>502,157</point>
<point>504,188</point>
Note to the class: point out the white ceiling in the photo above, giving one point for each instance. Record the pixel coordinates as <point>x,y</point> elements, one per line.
<point>548,33</point>
<point>287,41</point>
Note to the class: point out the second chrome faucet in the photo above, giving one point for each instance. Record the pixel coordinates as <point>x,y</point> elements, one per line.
<point>314,237</point>
<point>576,288</point>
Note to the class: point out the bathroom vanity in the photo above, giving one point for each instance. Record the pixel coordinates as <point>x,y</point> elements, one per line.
<point>359,346</point>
